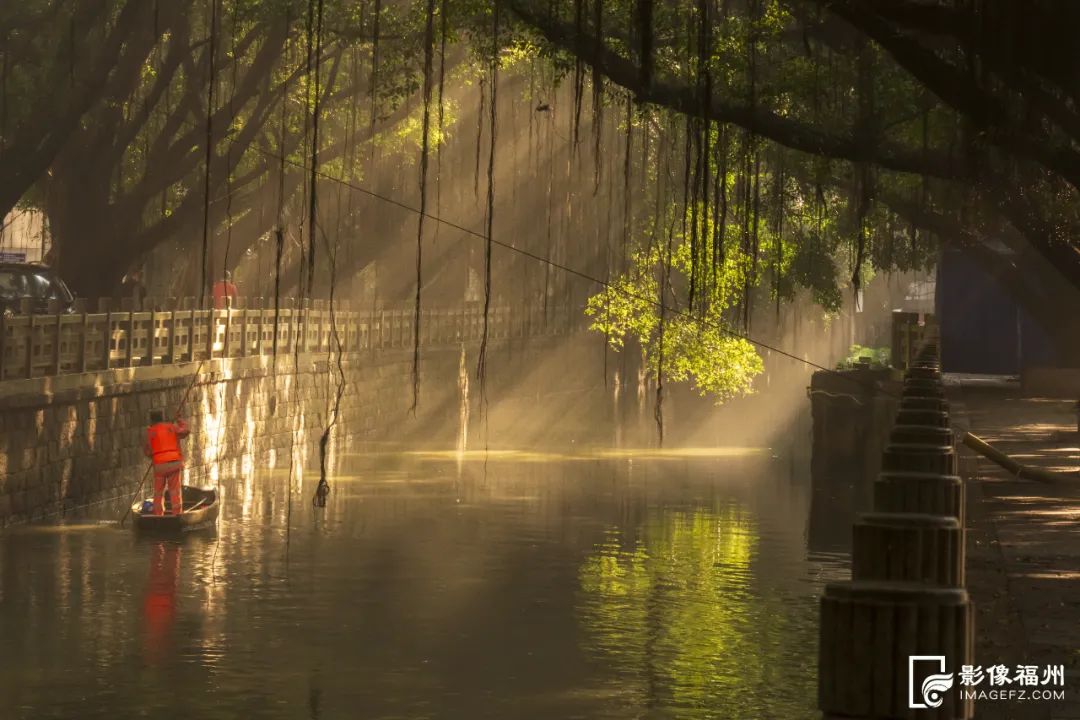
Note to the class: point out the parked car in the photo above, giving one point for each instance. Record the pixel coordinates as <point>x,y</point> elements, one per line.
<point>37,283</point>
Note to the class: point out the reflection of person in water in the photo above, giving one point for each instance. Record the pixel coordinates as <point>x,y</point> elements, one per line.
<point>159,607</point>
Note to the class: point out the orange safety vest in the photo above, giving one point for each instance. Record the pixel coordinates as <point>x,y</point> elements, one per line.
<point>164,443</point>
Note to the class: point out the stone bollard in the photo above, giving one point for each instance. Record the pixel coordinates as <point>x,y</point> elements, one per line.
<point>923,372</point>
<point>921,402</point>
<point>908,547</point>
<point>923,388</point>
<point>921,434</point>
<point>869,633</point>
<point>912,416</point>
<point>919,458</point>
<point>916,492</point>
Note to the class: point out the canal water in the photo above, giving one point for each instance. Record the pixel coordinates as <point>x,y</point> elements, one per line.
<point>595,583</point>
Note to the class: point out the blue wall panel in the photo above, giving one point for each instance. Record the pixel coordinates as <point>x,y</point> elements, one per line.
<point>982,328</point>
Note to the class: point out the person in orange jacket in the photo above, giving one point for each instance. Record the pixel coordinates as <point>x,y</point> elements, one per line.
<point>163,447</point>
<point>225,292</point>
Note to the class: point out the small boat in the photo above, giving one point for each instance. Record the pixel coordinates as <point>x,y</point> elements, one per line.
<point>200,511</point>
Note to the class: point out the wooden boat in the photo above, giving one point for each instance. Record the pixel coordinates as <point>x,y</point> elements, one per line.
<point>200,511</point>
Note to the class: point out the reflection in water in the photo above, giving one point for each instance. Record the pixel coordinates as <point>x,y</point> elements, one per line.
<point>159,605</point>
<point>542,586</point>
<point>463,409</point>
<point>676,612</point>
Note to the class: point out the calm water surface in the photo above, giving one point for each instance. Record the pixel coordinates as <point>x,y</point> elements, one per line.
<point>521,585</point>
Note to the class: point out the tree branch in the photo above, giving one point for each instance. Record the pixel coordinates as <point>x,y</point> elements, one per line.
<point>681,97</point>
<point>31,151</point>
<point>958,91</point>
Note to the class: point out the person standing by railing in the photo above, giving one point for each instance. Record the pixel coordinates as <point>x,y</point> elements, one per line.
<point>225,293</point>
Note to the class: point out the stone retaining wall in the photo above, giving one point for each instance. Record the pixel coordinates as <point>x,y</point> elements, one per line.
<point>69,440</point>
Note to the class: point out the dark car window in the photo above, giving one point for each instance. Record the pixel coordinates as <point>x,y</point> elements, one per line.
<point>12,284</point>
<point>39,286</point>
<point>64,291</point>
<point>48,288</point>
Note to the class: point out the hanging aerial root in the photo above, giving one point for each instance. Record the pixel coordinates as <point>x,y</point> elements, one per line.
<point>315,112</point>
<point>429,52</point>
<point>627,170</point>
<point>579,66</point>
<point>481,363</point>
<point>443,29</point>
<point>479,137</point>
<point>373,90</point>
<point>204,287</point>
<point>598,93</point>
<point>322,490</point>
<point>644,20</point>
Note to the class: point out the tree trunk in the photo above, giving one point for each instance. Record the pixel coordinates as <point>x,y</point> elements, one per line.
<point>86,235</point>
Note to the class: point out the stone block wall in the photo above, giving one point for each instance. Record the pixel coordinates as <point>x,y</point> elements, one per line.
<point>66,441</point>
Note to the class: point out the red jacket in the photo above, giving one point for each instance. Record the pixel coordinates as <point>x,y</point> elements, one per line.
<point>163,441</point>
<point>224,294</point>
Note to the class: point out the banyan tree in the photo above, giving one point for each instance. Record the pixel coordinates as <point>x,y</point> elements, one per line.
<point>697,162</point>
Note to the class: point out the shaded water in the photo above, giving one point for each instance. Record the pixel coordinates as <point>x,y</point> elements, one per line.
<point>516,585</point>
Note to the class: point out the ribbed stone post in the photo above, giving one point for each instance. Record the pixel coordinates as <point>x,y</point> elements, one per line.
<point>920,457</point>
<point>917,387</point>
<point>894,637</point>
<point>916,402</point>
<point>921,434</point>
<point>924,372</point>
<point>908,547</point>
<point>915,416</point>
<point>917,492</point>
<point>869,633</point>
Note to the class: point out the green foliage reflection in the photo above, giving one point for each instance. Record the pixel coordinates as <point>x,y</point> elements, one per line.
<point>682,613</point>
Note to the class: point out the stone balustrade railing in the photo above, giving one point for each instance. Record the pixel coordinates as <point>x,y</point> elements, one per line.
<point>35,345</point>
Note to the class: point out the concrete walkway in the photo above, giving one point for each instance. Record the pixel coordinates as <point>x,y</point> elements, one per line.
<point>1023,540</point>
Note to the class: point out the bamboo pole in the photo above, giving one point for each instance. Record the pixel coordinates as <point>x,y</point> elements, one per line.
<point>1025,472</point>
